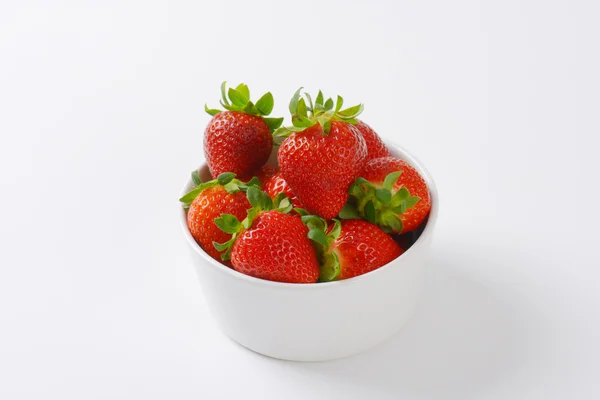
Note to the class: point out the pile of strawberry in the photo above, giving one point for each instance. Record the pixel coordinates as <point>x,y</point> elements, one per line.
<point>338,206</point>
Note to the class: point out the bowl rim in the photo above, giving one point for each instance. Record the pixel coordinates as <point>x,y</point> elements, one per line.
<point>426,234</point>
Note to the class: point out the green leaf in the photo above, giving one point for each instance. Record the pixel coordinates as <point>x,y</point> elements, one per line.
<point>391,220</point>
<point>329,104</point>
<point>225,101</point>
<point>335,231</point>
<point>391,179</point>
<point>250,108</point>
<point>265,104</point>
<point>349,212</point>
<point>255,198</point>
<point>350,112</point>
<point>253,182</point>
<point>400,208</point>
<point>227,255</point>
<point>211,111</point>
<point>310,102</point>
<point>383,195</point>
<point>252,213</point>
<point>284,203</point>
<point>280,197</point>
<point>339,103</point>
<point>301,122</point>
<point>225,177</point>
<point>230,107</point>
<point>314,222</point>
<point>317,235</point>
<point>399,197</point>
<point>237,98</point>
<point>233,186</point>
<point>273,123</point>
<point>301,211</point>
<point>243,89</point>
<point>324,118</point>
<point>285,206</point>
<point>412,201</point>
<point>294,101</point>
<point>286,209</point>
<point>355,190</point>
<point>331,268</point>
<point>280,134</point>
<point>319,99</point>
<point>370,214</point>
<point>228,223</point>
<point>222,246</point>
<point>191,195</point>
<point>266,201</point>
<point>196,177</point>
<point>302,108</point>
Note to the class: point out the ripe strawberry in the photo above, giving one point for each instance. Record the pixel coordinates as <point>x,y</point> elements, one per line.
<point>322,154</point>
<point>276,248</point>
<point>269,244</point>
<point>350,248</point>
<point>375,146</point>
<point>208,201</point>
<point>239,140</point>
<point>391,194</point>
<point>276,184</point>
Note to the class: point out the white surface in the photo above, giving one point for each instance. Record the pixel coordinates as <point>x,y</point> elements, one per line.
<point>101,119</point>
<point>301,322</point>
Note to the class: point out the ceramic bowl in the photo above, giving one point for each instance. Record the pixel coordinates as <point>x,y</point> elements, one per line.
<point>321,321</point>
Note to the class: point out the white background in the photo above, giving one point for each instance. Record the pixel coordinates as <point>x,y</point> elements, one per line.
<point>101,121</point>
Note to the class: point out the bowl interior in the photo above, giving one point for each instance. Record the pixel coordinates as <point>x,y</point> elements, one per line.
<point>408,241</point>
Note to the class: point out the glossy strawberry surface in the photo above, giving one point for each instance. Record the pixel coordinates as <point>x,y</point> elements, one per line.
<point>207,206</point>
<point>375,146</point>
<point>276,248</point>
<point>363,247</point>
<point>276,184</point>
<point>236,142</point>
<point>320,167</point>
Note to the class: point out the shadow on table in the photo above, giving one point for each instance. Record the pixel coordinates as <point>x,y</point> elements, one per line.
<point>462,339</point>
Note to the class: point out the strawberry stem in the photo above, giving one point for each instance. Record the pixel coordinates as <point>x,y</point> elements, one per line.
<point>238,99</point>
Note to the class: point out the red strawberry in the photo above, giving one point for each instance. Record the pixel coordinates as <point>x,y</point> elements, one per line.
<point>208,201</point>
<point>363,247</point>
<point>391,194</point>
<point>350,248</point>
<point>375,146</point>
<point>322,154</point>
<point>269,244</point>
<point>276,184</point>
<point>239,140</point>
<point>276,248</point>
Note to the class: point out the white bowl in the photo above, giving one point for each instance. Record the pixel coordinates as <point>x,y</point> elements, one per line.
<point>320,321</point>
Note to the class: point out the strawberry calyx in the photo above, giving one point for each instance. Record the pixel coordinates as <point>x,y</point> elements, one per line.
<point>238,99</point>
<point>226,179</point>
<point>260,202</point>
<point>379,204</point>
<point>323,237</point>
<point>305,113</point>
